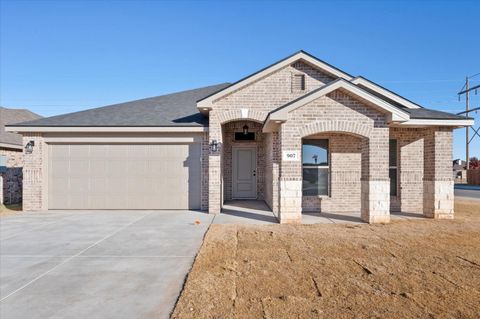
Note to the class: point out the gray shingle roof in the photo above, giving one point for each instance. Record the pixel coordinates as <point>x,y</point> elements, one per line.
<point>10,116</point>
<point>176,109</point>
<point>424,113</point>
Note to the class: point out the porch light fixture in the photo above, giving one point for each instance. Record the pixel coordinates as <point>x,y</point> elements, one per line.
<point>214,146</point>
<point>29,147</point>
<point>245,129</point>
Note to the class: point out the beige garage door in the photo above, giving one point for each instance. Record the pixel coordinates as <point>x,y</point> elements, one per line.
<point>160,176</point>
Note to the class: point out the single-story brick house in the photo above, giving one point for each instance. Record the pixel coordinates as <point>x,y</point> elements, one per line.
<point>300,135</point>
<point>11,155</point>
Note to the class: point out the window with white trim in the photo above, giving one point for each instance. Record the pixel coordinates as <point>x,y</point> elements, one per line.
<point>315,167</point>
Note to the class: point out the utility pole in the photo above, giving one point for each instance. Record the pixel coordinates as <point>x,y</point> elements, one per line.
<point>476,131</point>
<point>467,106</point>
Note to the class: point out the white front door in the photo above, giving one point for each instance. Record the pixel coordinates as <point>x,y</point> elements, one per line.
<point>244,177</point>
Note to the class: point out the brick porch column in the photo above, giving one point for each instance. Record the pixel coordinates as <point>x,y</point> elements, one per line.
<point>214,167</point>
<point>438,178</point>
<point>375,202</point>
<point>290,186</point>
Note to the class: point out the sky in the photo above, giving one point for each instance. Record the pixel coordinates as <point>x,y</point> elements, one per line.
<point>63,56</point>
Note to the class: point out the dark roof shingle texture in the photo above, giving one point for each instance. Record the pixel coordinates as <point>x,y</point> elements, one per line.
<point>176,109</point>
<point>11,116</point>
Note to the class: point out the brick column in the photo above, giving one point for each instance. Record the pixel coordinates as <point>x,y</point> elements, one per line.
<point>276,157</point>
<point>33,173</point>
<point>438,178</point>
<point>215,167</point>
<point>375,207</point>
<point>290,187</point>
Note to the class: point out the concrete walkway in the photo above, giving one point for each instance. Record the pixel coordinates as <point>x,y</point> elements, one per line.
<point>257,212</point>
<point>96,264</point>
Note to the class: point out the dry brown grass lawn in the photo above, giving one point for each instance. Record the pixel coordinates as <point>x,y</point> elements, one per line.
<point>406,269</point>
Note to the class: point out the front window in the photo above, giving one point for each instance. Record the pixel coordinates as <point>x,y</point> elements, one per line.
<point>315,164</point>
<point>392,159</point>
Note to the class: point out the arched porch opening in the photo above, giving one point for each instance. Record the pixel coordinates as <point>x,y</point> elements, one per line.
<point>333,166</point>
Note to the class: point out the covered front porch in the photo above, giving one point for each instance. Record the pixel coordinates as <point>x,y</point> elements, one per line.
<point>256,212</point>
<point>336,156</point>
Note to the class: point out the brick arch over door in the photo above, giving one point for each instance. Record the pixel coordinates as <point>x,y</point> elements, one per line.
<point>351,127</point>
<point>236,115</point>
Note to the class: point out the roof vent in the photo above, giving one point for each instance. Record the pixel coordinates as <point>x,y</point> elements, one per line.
<point>298,82</point>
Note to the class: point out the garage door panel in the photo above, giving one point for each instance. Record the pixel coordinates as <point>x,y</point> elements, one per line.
<point>117,176</point>
<point>78,167</point>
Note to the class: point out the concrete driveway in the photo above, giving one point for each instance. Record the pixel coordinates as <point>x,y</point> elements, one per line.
<point>96,264</point>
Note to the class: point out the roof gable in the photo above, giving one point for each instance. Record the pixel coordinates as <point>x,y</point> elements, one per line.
<point>395,114</point>
<point>206,103</point>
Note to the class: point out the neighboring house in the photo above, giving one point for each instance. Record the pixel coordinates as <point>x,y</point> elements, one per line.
<point>300,135</point>
<point>459,170</point>
<point>11,156</point>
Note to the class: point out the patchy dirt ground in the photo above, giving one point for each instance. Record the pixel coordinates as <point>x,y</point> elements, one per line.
<point>406,269</point>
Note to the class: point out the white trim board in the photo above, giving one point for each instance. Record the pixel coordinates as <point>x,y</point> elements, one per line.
<point>434,122</point>
<point>388,94</point>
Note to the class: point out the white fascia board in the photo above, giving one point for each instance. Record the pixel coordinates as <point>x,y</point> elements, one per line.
<point>384,92</point>
<point>435,122</point>
<point>155,129</point>
<point>12,146</point>
<point>396,114</point>
<point>207,103</point>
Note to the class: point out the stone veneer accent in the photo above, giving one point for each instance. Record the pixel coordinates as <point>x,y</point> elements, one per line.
<point>338,112</point>
<point>11,178</point>
<point>438,180</point>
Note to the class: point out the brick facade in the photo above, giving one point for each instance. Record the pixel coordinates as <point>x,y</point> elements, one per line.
<point>345,175</point>
<point>11,176</point>
<point>358,135</point>
<point>33,173</point>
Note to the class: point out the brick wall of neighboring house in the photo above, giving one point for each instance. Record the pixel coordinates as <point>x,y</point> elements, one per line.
<point>32,173</point>
<point>345,175</point>
<point>338,112</point>
<point>229,142</point>
<point>410,169</point>
<point>11,188</point>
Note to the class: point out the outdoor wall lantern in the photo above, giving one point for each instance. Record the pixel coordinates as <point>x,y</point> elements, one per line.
<point>29,147</point>
<point>245,129</point>
<point>214,146</point>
